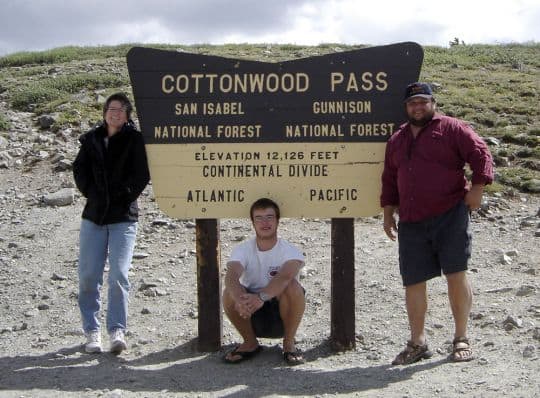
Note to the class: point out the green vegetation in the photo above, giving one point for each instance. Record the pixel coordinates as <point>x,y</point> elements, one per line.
<point>496,88</point>
<point>4,124</point>
<point>36,95</point>
<point>64,54</point>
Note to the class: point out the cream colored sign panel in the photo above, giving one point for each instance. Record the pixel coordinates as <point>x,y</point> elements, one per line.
<point>305,179</point>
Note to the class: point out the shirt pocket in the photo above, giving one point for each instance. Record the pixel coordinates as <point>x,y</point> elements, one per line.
<point>437,149</point>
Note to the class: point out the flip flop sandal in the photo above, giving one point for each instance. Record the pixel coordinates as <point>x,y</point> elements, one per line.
<point>412,353</point>
<point>461,353</point>
<point>242,354</point>
<point>293,358</point>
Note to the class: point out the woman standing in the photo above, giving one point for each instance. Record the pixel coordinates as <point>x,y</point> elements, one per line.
<point>111,171</point>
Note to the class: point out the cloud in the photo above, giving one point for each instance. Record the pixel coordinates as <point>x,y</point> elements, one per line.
<point>27,25</point>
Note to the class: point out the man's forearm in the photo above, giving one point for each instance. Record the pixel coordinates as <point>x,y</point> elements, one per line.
<point>285,275</point>
<point>389,210</point>
<point>233,287</point>
<point>277,285</point>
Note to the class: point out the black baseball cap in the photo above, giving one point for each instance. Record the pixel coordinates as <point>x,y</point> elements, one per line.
<point>418,89</point>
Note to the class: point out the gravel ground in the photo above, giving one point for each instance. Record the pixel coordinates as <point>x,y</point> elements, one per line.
<point>40,336</point>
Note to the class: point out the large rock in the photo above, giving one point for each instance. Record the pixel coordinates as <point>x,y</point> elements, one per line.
<point>45,121</point>
<point>63,197</point>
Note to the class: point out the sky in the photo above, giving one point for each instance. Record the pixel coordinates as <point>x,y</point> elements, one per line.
<point>34,25</point>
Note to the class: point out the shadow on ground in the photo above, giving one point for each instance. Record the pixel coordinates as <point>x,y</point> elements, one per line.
<point>183,370</point>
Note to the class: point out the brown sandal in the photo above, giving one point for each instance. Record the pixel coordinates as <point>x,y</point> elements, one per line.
<point>412,353</point>
<point>461,350</point>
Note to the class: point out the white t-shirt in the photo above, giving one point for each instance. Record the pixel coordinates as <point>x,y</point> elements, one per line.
<point>261,266</point>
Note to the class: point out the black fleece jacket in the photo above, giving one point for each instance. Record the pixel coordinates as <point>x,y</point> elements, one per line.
<point>111,177</point>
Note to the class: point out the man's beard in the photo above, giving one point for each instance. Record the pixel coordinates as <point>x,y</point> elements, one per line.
<point>421,122</point>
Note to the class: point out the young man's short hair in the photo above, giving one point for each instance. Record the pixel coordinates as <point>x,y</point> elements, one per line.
<point>264,203</point>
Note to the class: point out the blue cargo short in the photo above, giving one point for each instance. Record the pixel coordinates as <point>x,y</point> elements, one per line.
<point>438,244</point>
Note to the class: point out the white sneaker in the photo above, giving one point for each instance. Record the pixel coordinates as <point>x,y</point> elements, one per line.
<point>93,342</point>
<point>118,341</point>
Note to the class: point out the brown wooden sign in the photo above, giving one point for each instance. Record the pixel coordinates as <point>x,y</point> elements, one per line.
<point>308,133</point>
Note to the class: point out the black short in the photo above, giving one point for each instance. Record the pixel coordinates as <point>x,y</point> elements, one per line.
<point>442,243</point>
<point>266,321</point>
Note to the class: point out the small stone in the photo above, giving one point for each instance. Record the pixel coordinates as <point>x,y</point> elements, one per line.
<point>477,316</point>
<point>22,326</point>
<point>513,321</point>
<point>145,285</point>
<point>116,393</point>
<point>505,259</point>
<point>74,332</point>
<point>500,290</point>
<point>492,141</point>
<point>42,155</point>
<point>184,254</point>
<point>45,121</point>
<point>140,255</point>
<point>63,197</point>
<point>528,351</point>
<point>160,222</point>
<point>58,277</point>
<point>526,290</point>
<point>31,313</point>
<point>63,165</point>
<point>528,222</point>
<point>150,292</point>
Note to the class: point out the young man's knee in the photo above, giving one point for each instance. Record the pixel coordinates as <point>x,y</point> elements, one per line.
<point>294,290</point>
<point>227,299</point>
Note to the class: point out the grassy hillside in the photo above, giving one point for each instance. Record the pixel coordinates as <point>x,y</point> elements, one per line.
<point>496,88</point>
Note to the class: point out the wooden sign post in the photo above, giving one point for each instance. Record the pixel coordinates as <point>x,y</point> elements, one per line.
<point>310,134</point>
